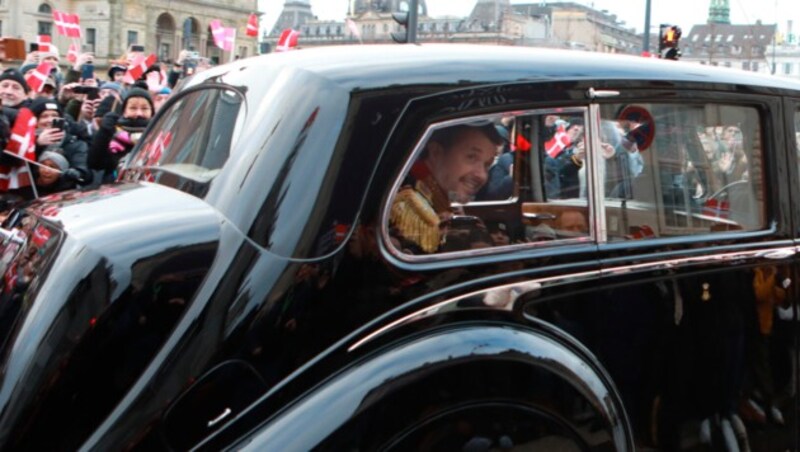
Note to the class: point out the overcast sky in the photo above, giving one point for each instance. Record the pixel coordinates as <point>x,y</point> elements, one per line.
<point>684,13</point>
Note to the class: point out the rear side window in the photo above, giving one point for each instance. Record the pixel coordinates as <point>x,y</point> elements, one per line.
<point>191,141</point>
<point>676,169</point>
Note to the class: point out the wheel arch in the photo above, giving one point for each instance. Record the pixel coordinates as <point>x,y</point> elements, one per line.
<point>333,406</point>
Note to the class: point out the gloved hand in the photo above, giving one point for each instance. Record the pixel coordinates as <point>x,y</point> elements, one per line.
<point>73,175</point>
<point>110,120</point>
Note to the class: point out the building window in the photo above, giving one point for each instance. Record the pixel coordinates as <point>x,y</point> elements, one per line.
<point>787,68</point>
<point>755,66</point>
<point>746,65</point>
<point>133,37</point>
<point>339,30</point>
<point>242,52</point>
<point>91,39</point>
<point>44,8</point>
<point>45,28</point>
<point>1,24</point>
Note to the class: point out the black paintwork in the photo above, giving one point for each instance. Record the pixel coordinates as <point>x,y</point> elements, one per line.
<point>146,289</point>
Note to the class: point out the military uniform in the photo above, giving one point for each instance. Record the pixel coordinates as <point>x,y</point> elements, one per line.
<point>418,211</point>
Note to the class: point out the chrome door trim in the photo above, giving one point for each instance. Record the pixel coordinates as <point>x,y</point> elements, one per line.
<point>510,292</point>
<point>596,186</point>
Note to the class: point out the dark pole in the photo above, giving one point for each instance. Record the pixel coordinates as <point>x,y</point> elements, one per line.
<point>646,44</point>
<point>413,12</point>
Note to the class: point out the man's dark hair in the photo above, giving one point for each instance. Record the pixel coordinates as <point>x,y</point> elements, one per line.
<point>447,136</point>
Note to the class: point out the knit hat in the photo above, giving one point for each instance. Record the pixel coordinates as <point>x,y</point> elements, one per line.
<point>43,104</point>
<point>61,162</point>
<point>138,92</point>
<point>27,67</point>
<point>114,69</point>
<point>112,85</point>
<point>43,55</point>
<point>15,75</point>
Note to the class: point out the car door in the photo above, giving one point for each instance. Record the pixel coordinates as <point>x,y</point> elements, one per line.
<point>688,315</point>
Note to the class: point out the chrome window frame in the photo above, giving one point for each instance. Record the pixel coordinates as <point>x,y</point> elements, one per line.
<point>591,238</point>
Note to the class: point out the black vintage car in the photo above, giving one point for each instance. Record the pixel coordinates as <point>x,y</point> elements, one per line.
<point>421,248</point>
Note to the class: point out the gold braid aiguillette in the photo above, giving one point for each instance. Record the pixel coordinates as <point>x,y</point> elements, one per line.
<point>416,220</point>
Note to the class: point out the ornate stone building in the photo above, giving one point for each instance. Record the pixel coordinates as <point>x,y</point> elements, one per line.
<point>554,24</point>
<point>110,26</point>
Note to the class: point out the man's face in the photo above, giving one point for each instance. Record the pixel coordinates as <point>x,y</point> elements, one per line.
<point>573,222</point>
<point>575,133</point>
<point>52,60</point>
<point>46,175</point>
<point>137,107</point>
<point>463,169</point>
<point>46,119</point>
<point>11,93</point>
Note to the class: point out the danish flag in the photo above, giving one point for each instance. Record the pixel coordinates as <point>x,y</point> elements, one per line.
<point>288,40</point>
<point>46,44</point>
<point>22,144</point>
<point>224,37</point>
<point>39,75</point>
<point>558,143</point>
<point>22,141</point>
<point>72,53</point>
<point>67,24</point>
<point>139,66</point>
<point>252,25</point>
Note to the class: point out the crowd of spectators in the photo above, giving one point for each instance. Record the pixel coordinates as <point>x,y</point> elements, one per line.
<point>87,122</point>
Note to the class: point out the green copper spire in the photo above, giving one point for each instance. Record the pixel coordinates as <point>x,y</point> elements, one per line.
<point>719,12</point>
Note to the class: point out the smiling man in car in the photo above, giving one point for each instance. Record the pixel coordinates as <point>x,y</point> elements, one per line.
<point>452,169</point>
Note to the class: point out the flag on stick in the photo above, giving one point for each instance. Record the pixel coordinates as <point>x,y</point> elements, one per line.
<point>68,25</point>
<point>288,40</point>
<point>39,75</point>
<point>252,25</point>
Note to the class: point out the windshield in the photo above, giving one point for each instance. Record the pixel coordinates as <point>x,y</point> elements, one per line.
<point>191,141</point>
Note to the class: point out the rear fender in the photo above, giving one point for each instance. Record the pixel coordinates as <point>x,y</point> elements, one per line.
<point>367,405</point>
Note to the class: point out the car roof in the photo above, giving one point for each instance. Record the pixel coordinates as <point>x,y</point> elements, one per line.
<point>376,66</point>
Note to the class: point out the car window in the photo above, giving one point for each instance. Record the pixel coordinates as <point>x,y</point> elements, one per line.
<point>190,142</point>
<point>677,169</point>
<point>446,199</point>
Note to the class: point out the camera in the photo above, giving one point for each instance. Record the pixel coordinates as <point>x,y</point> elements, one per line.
<point>59,123</point>
<point>92,92</point>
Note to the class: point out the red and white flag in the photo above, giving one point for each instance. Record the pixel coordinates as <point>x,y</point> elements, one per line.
<point>67,24</point>
<point>72,53</point>
<point>138,67</point>
<point>22,142</point>
<point>46,44</point>
<point>558,143</point>
<point>39,75</point>
<point>288,40</point>
<point>252,25</point>
<point>224,37</point>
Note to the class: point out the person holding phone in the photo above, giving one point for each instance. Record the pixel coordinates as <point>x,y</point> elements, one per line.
<point>118,133</point>
<point>53,134</point>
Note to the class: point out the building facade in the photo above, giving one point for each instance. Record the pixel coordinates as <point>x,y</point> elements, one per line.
<point>111,26</point>
<point>560,25</point>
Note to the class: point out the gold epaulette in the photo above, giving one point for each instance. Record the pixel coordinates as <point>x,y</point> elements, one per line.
<point>415,219</point>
